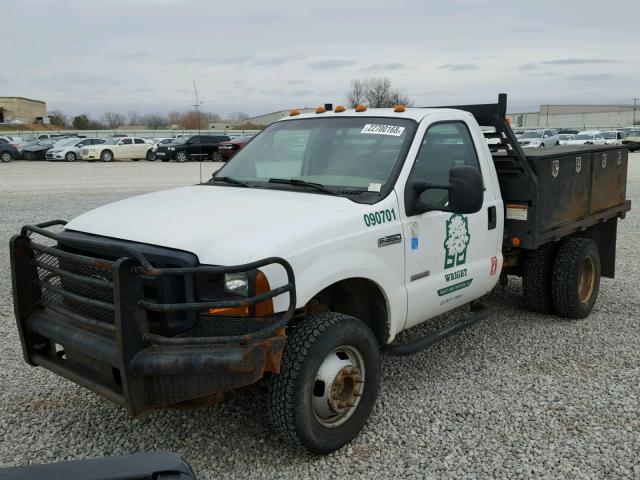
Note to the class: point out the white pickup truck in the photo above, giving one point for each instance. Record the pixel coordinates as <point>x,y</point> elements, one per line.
<point>303,258</point>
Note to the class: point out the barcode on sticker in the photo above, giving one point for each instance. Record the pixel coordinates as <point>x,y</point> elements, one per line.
<point>377,129</point>
<point>517,212</point>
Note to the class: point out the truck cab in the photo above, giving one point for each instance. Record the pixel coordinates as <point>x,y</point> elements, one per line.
<point>305,255</point>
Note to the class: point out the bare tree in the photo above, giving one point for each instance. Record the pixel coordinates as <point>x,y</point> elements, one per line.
<point>113,119</point>
<point>239,116</point>
<point>356,94</point>
<point>134,117</point>
<point>375,93</point>
<point>154,121</point>
<point>175,118</point>
<point>56,117</point>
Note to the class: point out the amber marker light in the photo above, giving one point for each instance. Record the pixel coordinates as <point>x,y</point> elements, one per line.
<point>294,112</point>
<point>339,109</point>
<point>515,241</point>
<point>399,108</point>
<point>320,110</point>
<point>361,108</point>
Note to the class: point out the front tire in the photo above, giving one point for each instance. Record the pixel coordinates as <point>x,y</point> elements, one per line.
<point>576,278</point>
<point>151,156</point>
<point>106,156</point>
<point>181,156</point>
<point>328,382</point>
<point>70,157</point>
<point>5,157</point>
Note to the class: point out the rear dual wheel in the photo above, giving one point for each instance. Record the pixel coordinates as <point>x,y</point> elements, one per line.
<point>328,382</point>
<point>564,279</point>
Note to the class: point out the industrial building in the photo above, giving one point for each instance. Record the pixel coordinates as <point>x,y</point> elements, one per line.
<point>269,118</point>
<point>25,110</point>
<point>580,117</point>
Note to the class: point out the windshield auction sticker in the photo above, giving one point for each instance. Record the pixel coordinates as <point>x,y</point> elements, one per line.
<point>377,129</point>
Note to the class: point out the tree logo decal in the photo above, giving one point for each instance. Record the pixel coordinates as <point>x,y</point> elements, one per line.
<point>456,241</point>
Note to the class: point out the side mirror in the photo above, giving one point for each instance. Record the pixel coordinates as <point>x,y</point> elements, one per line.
<point>466,194</point>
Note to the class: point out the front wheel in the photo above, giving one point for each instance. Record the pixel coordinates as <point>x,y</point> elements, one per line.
<point>5,157</point>
<point>70,157</point>
<point>106,156</point>
<point>328,382</point>
<point>576,278</point>
<point>217,157</point>
<point>151,156</point>
<point>181,156</point>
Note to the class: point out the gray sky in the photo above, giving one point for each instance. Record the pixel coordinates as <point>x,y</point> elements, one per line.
<point>88,56</point>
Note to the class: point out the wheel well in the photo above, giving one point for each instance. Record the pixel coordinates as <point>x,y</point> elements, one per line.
<point>358,297</point>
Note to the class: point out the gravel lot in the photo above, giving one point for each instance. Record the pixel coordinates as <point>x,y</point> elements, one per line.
<point>520,395</point>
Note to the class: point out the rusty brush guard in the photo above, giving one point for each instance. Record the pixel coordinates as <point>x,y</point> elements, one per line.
<point>92,321</point>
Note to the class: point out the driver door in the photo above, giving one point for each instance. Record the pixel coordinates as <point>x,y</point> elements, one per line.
<point>448,256</point>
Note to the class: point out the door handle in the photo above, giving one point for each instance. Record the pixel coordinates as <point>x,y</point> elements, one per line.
<point>493,218</point>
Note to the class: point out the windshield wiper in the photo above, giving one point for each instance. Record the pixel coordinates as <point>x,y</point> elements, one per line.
<point>230,180</point>
<point>302,183</point>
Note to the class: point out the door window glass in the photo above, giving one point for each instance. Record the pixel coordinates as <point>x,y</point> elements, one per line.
<point>445,145</point>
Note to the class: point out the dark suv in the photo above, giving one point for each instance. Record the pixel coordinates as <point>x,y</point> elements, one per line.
<point>192,147</point>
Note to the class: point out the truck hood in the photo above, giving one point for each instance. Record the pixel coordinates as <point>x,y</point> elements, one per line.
<point>222,225</point>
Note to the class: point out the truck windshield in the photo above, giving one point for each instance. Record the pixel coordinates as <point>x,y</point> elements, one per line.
<point>356,153</point>
<point>609,135</point>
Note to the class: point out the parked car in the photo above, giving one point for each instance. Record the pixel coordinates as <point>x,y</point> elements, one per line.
<point>632,140</point>
<point>539,138</point>
<point>70,149</point>
<point>159,141</point>
<point>587,138</point>
<point>565,137</point>
<point>229,148</point>
<point>192,147</point>
<point>12,139</point>
<point>134,148</point>
<point>38,150</point>
<point>613,137</point>
<point>8,151</point>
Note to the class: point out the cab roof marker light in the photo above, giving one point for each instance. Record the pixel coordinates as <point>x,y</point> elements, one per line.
<point>361,108</point>
<point>321,110</point>
<point>339,109</point>
<point>294,112</point>
<point>399,108</point>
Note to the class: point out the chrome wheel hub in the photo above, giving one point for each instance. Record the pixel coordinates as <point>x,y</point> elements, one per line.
<point>338,386</point>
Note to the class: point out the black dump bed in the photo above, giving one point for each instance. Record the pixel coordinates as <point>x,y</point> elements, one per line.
<point>553,192</point>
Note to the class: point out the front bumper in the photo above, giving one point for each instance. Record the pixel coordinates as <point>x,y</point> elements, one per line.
<point>57,292</point>
<point>165,154</point>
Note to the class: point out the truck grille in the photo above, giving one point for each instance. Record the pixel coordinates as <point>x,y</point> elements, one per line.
<point>80,289</point>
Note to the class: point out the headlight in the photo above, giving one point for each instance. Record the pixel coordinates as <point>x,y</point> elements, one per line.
<point>171,148</point>
<point>236,283</point>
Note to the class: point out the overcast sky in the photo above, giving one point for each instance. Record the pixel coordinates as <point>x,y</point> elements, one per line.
<point>87,56</point>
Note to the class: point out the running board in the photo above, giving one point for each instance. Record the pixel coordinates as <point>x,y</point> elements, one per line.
<point>478,312</point>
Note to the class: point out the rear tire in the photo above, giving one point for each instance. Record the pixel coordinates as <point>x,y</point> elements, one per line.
<point>576,278</point>
<point>536,279</point>
<point>217,157</point>
<point>328,382</point>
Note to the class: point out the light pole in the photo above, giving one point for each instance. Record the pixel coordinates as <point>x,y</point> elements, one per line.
<point>635,102</point>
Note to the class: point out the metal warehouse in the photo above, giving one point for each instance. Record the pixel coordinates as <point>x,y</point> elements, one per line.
<point>578,116</point>
<point>269,118</point>
<point>23,109</point>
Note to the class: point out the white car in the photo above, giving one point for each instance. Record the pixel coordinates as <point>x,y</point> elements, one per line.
<point>134,148</point>
<point>587,138</point>
<point>69,149</point>
<point>565,137</point>
<point>539,138</point>
<point>613,137</point>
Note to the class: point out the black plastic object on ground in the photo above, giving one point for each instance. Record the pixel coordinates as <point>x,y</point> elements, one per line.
<point>143,466</point>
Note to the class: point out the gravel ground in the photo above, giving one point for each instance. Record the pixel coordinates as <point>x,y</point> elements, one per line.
<point>520,395</point>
